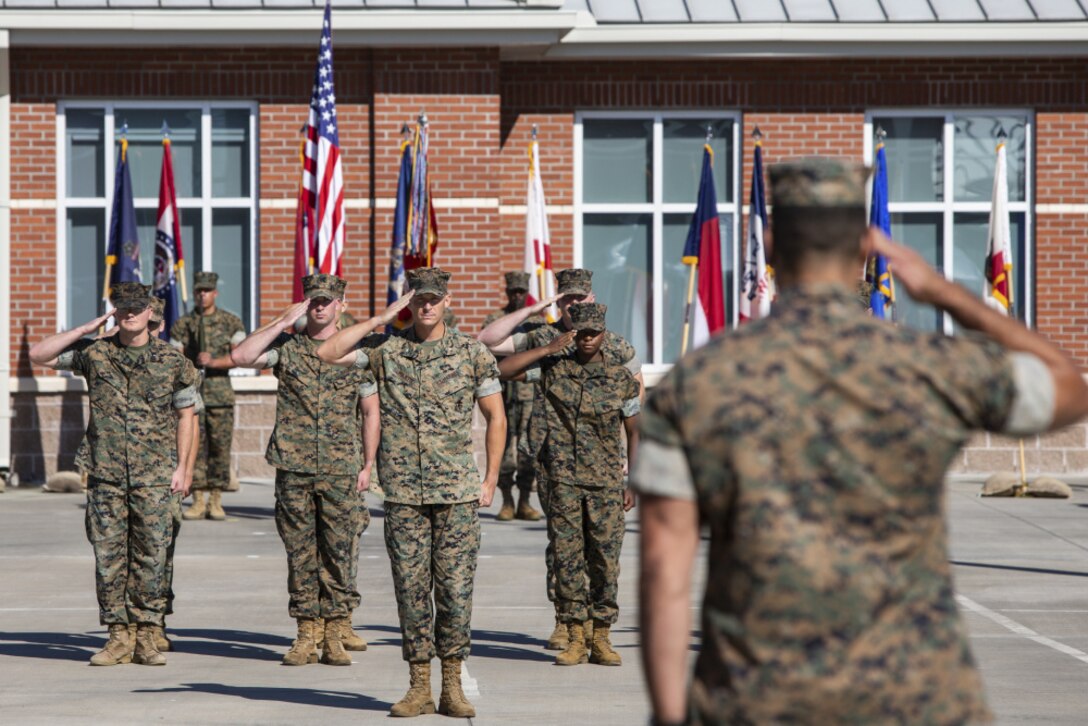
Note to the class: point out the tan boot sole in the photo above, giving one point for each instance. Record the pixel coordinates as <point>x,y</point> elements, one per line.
<point>125,660</point>
<point>581,661</point>
<point>421,710</point>
<point>444,709</point>
<point>599,661</point>
<point>143,660</point>
<point>309,661</point>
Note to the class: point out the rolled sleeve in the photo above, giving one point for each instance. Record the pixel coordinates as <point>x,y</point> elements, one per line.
<point>631,407</point>
<point>532,373</point>
<point>634,364</point>
<point>485,371</point>
<point>271,357</point>
<point>66,361</point>
<point>662,470</point>
<point>362,359</point>
<point>238,337</point>
<point>368,389</point>
<point>186,398</point>
<point>520,341</point>
<point>1034,399</point>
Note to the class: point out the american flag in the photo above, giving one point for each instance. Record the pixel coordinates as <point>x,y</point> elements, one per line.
<point>323,176</point>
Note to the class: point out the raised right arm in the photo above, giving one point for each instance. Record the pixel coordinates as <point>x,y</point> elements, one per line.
<point>250,353</point>
<point>337,349</point>
<point>45,352</point>
<point>498,332</point>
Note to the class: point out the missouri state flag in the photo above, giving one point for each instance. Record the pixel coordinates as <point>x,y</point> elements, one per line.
<point>169,259</point>
<point>703,249</point>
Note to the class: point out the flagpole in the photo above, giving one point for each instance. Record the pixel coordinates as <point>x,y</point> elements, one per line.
<point>693,264</point>
<point>179,266</point>
<point>538,257</point>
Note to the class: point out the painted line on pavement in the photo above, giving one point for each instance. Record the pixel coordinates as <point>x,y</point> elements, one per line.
<point>468,683</point>
<point>1021,630</point>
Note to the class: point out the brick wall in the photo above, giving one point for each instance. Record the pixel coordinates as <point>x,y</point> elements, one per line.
<point>482,111</point>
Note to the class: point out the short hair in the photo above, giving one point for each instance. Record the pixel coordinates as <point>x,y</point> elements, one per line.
<point>800,233</point>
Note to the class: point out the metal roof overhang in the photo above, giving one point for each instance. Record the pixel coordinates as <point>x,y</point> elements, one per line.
<point>551,35</point>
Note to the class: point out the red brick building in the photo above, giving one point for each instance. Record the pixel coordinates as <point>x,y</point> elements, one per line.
<point>621,93</point>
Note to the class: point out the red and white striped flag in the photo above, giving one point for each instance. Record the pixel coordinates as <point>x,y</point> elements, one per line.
<point>998,292</point>
<point>538,247</point>
<point>323,176</point>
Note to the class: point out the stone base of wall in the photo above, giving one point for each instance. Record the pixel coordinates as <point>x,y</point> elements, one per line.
<point>48,427</point>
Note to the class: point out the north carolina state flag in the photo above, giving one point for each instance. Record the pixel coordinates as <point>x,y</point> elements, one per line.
<point>704,250</point>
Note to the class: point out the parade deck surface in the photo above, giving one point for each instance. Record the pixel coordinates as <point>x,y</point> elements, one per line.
<point>1021,569</point>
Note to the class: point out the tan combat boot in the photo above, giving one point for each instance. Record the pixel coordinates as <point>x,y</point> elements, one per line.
<point>118,648</point>
<point>525,510</point>
<point>319,632</point>
<point>332,650</point>
<point>559,638</point>
<point>348,636</point>
<point>215,505</point>
<point>587,629</point>
<point>575,654</point>
<point>146,653</point>
<point>601,653</point>
<point>161,641</point>
<point>507,511</point>
<point>196,510</point>
<point>453,702</point>
<point>418,700</point>
<point>303,650</point>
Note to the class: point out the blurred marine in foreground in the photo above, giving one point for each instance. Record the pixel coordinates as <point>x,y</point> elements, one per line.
<point>814,444</point>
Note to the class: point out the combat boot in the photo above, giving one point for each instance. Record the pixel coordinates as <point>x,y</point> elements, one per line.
<point>319,632</point>
<point>559,638</point>
<point>146,653</point>
<point>575,654</point>
<point>196,510</point>
<point>161,641</point>
<point>303,650</point>
<point>453,702</point>
<point>525,510</point>
<point>215,505</point>
<point>506,513</point>
<point>118,648</point>
<point>348,636</point>
<point>418,700</point>
<point>601,653</point>
<point>332,650</point>
<point>587,630</point>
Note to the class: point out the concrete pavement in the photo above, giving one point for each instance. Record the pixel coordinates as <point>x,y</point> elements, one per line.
<point>1021,566</point>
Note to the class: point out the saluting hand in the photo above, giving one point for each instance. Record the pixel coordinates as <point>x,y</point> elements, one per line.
<point>546,303</point>
<point>95,324</point>
<point>390,313</point>
<point>561,343</point>
<point>294,311</point>
<point>910,269</point>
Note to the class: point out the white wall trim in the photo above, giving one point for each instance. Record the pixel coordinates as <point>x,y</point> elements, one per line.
<point>1061,209</point>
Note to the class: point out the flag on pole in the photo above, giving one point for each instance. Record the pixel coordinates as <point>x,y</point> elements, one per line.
<point>998,293</point>
<point>305,257</point>
<point>397,272</point>
<point>123,250</point>
<point>877,271</point>
<point>323,175</point>
<point>538,247</point>
<point>421,226</point>
<point>758,288</point>
<point>703,250</point>
<point>169,257</point>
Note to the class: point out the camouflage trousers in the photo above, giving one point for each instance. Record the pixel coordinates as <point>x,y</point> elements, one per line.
<point>130,528</point>
<point>433,548</point>
<point>543,491</point>
<point>212,469</point>
<point>175,517</point>
<point>518,462</point>
<point>362,521</point>
<point>587,526</point>
<point>318,519</point>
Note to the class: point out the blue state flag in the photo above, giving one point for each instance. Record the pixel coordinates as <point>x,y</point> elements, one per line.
<point>878,273</point>
<point>123,251</point>
<point>397,275</point>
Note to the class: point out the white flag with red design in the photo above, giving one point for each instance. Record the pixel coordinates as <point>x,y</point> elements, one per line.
<point>538,254</point>
<point>998,292</point>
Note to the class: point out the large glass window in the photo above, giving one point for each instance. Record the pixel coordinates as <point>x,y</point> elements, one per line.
<point>213,150</point>
<point>635,192</point>
<point>940,186</point>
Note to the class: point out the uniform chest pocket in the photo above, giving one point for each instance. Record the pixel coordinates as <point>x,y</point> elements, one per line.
<point>454,391</point>
<point>565,393</point>
<point>159,400</point>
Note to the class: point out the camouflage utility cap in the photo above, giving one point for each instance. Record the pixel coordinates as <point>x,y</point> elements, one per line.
<point>575,281</point>
<point>157,306</point>
<point>130,295</point>
<point>588,316</point>
<point>818,182</point>
<point>322,285</point>
<point>204,280</point>
<point>517,281</point>
<point>429,281</point>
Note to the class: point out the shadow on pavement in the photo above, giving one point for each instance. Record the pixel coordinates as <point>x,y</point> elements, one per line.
<point>300,696</point>
<point>249,512</point>
<point>52,646</point>
<point>1014,568</point>
<point>229,643</point>
<point>484,646</point>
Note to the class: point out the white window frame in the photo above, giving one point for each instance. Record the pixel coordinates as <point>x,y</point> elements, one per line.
<point>949,207</point>
<point>657,208</point>
<point>205,202</point>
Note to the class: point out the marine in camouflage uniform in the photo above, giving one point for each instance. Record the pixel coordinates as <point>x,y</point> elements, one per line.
<point>588,402</point>
<point>139,388</point>
<point>572,285</point>
<point>317,451</point>
<point>206,336</point>
<point>814,443</point>
<point>518,462</point>
<point>429,378</point>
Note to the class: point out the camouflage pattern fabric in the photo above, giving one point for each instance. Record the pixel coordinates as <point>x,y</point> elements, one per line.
<point>518,463</point>
<point>317,411</point>
<point>428,392</point>
<point>816,443</point>
<point>433,545</point>
<point>132,433</point>
<point>196,333</point>
<point>587,525</point>
<point>317,517</point>
<point>362,523</point>
<point>129,526</point>
<point>175,529</point>
<point>212,468</point>
<point>818,182</point>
